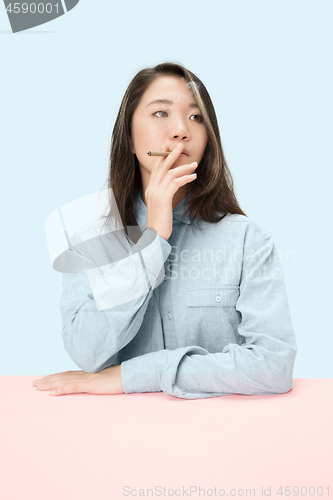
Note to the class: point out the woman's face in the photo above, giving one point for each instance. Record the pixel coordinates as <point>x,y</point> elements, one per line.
<point>167,114</point>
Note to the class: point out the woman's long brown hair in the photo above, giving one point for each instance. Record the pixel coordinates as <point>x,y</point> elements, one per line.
<point>213,190</point>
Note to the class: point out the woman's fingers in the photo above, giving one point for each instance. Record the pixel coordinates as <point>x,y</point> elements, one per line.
<point>178,182</point>
<point>67,384</point>
<point>157,164</point>
<point>69,388</point>
<point>60,391</point>
<point>59,387</point>
<point>164,182</point>
<point>164,175</point>
<point>178,172</point>
<point>59,379</point>
<point>162,166</point>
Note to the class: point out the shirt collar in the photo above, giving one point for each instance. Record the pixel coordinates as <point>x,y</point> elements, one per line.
<point>178,212</point>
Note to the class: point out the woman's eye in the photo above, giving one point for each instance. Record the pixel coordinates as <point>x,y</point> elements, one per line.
<point>197,118</point>
<point>158,113</point>
<point>162,113</point>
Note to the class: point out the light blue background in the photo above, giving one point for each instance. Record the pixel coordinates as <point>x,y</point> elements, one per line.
<point>268,68</point>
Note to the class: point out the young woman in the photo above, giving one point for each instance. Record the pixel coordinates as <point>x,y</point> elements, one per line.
<point>199,307</point>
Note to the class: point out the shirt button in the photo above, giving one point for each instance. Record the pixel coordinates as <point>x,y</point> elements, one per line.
<point>218,298</point>
<point>169,315</point>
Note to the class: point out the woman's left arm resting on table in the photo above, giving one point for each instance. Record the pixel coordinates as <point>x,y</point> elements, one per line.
<point>263,364</point>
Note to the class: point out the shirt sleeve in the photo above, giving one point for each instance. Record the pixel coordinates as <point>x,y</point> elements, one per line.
<point>103,307</point>
<point>262,365</point>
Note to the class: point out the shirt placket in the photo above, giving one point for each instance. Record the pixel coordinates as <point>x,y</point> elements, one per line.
<point>165,305</point>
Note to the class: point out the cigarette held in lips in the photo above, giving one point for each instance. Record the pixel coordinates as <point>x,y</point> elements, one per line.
<point>158,153</point>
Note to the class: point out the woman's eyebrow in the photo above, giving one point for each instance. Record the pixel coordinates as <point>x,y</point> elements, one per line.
<point>167,101</point>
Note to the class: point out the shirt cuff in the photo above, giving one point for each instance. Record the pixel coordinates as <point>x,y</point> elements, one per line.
<point>165,246</point>
<point>139,374</point>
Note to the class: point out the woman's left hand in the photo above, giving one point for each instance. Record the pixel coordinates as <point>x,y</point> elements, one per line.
<point>107,381</point>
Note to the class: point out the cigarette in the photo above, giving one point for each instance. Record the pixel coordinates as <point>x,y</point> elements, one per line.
<point>158,153</point>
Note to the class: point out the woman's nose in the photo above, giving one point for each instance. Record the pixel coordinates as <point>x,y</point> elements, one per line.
<point>179,131</point>
<point>181,136</point>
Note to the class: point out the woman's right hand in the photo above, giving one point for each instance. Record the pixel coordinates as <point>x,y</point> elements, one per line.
<point>162,186</point>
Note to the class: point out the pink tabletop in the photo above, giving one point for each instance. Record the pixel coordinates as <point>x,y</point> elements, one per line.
<point>150,445</point>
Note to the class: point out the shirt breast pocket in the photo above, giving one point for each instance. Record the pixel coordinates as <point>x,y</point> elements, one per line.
<point>212,318</point>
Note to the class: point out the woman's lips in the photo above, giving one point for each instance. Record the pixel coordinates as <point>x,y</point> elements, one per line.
<point>181,155</point>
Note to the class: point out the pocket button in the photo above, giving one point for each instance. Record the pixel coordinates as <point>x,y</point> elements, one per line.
<point>218,298</point>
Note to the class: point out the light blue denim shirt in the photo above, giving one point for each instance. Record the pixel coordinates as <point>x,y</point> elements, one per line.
<point>219,322</point>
